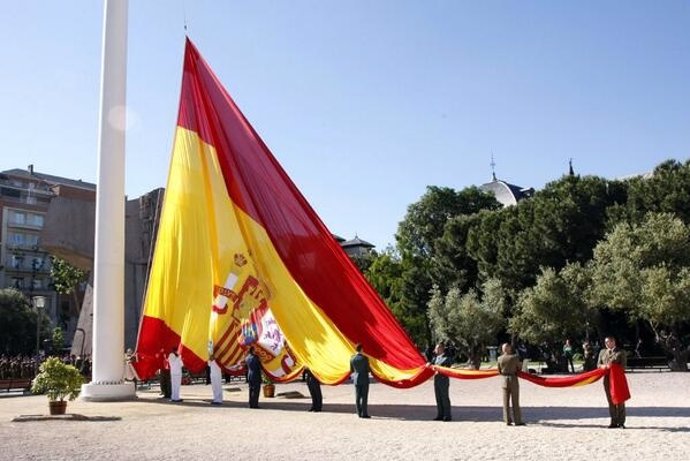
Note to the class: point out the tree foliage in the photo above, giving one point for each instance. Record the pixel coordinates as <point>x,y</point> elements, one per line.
<point>643,269</point>
<point>18,325</point>
<point>426,219</point>
<point>582,249</point>
<point>58,340</point>
<point>555,308</point>
<point>560,224</point>
<point>467,321</point>
<point>66,278</point>
<point>667,190</point>
<point>418,239</point>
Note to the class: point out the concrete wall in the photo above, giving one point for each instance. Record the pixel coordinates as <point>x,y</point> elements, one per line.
<point>69,234</point>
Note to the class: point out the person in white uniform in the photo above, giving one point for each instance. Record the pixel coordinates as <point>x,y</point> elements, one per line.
<point>216,380</point>
<point>175,375</point>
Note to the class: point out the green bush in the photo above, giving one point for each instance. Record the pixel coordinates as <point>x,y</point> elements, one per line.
<point>57,380</point>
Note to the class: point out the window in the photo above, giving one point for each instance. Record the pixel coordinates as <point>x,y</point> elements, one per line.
<point>37,264</point>
<point>16,238</point>
<point>8,192</point>
<point>37,284</point>
<point>20,239</point>
<point>35,220</point>
<point>18,283</point>
<point>17,261</point>
<point>17,217</point>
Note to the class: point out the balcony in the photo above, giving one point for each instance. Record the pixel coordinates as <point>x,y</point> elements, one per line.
<point>24,225</point>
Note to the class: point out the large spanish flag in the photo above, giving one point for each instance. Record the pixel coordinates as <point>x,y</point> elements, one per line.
<point>242,259</point>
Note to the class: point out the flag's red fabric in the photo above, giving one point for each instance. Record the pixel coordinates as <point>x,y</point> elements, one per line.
<point>620,392</point>
<point>579,379</point>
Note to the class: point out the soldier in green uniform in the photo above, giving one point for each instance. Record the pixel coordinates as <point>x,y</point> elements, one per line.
<point>359,369</point>
<point>508,366</point>
<point>613,354</point>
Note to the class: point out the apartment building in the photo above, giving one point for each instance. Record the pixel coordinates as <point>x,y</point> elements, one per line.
<point>25,196</point>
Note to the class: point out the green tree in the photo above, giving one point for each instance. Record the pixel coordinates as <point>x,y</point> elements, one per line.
<point>555,308</point>
<point>58,340</point>
<point>561,223</point>
<point>384,274</point>
<point>66,279</point>
<point>418,239</point>
<point>18,325</point>
<point>426,219</point>
<point>644,270</point>
<point>467,321</point>
<point>453,263</point>
<point>667,190</point>
<point>364,261</point>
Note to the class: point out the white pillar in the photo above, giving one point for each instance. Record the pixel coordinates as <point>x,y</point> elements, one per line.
<point>109,262</point>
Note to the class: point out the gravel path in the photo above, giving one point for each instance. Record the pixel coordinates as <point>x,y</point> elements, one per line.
<point>562,424</point>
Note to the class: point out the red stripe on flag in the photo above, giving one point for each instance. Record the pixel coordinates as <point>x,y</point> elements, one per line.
<point>259,186</point>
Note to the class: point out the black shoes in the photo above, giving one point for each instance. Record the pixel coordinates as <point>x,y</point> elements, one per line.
<point>438,418</point>
<point>365,416</point>
<point>616,426</point>
<point>520,424</point>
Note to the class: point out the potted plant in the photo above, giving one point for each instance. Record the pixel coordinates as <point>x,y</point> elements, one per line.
<point>269,387</point>
<point>58,381</point>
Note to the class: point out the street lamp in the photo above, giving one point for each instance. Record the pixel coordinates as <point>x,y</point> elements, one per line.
<point>39,303</point>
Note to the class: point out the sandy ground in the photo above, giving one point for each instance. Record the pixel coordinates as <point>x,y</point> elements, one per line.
<point>562,424</point>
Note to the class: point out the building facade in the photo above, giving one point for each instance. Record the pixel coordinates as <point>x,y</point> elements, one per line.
<point>25,196</point>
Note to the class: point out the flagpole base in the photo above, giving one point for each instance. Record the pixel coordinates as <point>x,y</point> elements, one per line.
<point>107,392</point>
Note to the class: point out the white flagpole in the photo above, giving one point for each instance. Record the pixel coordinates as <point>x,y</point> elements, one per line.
<point>109,261</point>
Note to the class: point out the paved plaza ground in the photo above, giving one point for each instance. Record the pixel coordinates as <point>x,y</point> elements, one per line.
<point>562,424</point>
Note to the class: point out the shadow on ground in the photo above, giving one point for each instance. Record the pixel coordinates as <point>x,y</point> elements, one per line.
<point>546,416</point>
<point>67,417</point>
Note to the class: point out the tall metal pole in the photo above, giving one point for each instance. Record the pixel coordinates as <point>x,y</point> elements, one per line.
<point>38,329</point>
<point>109,260</point>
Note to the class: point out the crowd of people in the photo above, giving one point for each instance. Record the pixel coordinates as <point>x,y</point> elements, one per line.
<point>18,366</point>
<point>26,366</point>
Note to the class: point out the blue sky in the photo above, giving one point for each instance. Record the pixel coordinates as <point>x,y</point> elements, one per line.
<point>365,103</point>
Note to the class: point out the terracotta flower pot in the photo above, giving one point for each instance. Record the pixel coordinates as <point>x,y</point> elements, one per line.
<point>58,407</point>
<point>269,390</point>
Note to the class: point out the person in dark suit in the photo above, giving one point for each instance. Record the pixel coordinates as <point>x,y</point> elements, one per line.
<point>164,376</point>
<point>253,377</point>
<point>612,354</point>
<point>314,390</point>
<point>359,369</point>
<point>441,384</point>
